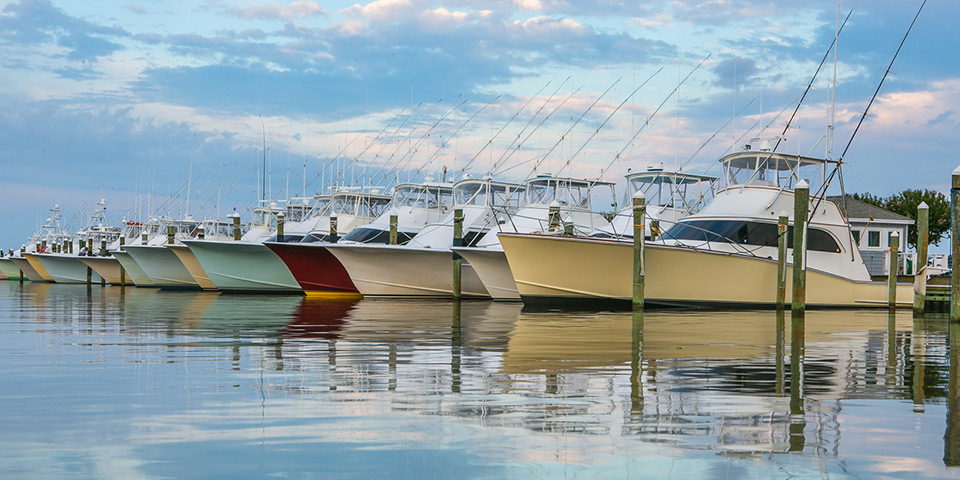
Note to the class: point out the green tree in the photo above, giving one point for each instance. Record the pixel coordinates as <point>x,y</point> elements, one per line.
<point>906,202</point>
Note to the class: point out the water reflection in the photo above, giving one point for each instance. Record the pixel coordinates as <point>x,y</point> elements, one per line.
<point>265,383</point>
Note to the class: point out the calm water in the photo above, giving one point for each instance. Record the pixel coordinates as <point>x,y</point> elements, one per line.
<point>154,384</point>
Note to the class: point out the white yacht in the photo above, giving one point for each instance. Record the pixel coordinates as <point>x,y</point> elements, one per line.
<point>67,267</point>
<point>570,198</point>
<point>423,266</point>
<point>160,265</point>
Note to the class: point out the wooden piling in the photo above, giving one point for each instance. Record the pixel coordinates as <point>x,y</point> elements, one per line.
<point>801,209</point>
<point>782,224</point>
<point>955,246</point>
<point>892,277</point>
<point>393,229</point>
<point>654,230</point>
<point>171,234</point>
<point>201,232</point>
<point>920,266</point>
<point>123,272</point>
<point>639,273</point>
<point>568,229</point>
<point>333,229</point>
<point>236,227</point>
<point>280,221</point>
<point>457,260</point>
<point>554,216</point>
<point>103,248</point>
<point>143,239</point>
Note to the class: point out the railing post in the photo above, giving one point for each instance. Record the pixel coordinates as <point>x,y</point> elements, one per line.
<point>801,208</point>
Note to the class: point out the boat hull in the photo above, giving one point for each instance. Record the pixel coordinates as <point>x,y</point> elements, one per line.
<point>133,270</point>
<point>9,269</point>
<point>315,269</point>
<point>38,267</point>
<point>162,267</point>
<point>243,267</point>
<point>67,268</point>
<point>28,271</point>
<point>190,262</point>
<point>398,271</point>
<point>556,270</point>
<point>109,268</point>
<point>492,268</point>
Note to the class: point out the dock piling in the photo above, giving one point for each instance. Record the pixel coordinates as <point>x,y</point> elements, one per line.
<point>782,224</point>
<point>554,216</point>
<point>457,260</point>
<point>639,274</point>
<point>892,277</point>
<point>333,229</point>
<point>801,209</point>
<point>955,245</point>
<point>201,232</point>
<point>920,269</point>
<point>393,229</point>
<point>171,233</point>
<point>280,221</point>
<point>123,272</point>
<point>236,226</point>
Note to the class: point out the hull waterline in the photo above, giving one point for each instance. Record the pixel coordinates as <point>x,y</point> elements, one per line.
<point>315,269</point>
<point>67,268</point>
<point>594,271</point>
<point>162,267</point>
<point>243,267</point>
<point>395,271</point>
<point>9,269</point>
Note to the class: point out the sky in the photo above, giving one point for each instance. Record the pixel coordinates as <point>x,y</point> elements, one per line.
<point>173,107</point>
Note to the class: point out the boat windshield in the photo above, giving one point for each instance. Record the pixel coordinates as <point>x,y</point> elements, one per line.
<point>764,168</point>
<point>357,204</point>
<point>568,193</point>
<point>675,190</point>
<point>264,218</point>
<point>296,213</point>
<point>422,196</point>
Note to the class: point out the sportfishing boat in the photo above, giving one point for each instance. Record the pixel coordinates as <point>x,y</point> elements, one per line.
<point>152,232</point>
<point>9,269</point>
<point>160,264</point>
<point>212,229</point>
<point>247,265</point>
<point>41,242</point>
<point>106,264</point>
<point>423,266</point>
<point>549,204</point>
<point>314,268</point>
<point>724,255</point>
<point>67,267</point>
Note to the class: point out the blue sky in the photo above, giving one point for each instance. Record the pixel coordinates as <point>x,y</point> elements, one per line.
<point>123,100</point>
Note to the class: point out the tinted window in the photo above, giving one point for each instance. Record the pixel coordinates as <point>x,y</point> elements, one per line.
<point>747,233</point>
<point>375,235</point>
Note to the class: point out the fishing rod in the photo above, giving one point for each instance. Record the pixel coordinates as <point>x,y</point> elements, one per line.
<point>823,187</point>
<point>377,177</point>
<point>443,143</point>
<point>494,137</point>
<point>646,122</point>
<point>615,110</point>
<point>383,145</point>
<point>356,158</point>
<point>511,149</point>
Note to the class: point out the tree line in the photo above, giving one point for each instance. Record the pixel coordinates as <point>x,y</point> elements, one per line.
<point>906,202</point>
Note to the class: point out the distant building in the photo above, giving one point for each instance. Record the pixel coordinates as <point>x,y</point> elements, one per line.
<point>872,227</point>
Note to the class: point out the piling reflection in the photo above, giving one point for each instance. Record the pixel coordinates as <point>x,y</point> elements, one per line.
<point>797,414</point>
<point>951,438</point>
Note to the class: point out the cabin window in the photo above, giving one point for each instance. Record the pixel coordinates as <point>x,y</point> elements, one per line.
<point>873,238</point>
<point>748,233</point>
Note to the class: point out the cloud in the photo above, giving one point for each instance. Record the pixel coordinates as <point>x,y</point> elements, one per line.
<point>735,73</point>
<point>294,10</point>
<point>39,22</point>
<point>135,8</point>
<point>381,11</point>
<point>946,116</point>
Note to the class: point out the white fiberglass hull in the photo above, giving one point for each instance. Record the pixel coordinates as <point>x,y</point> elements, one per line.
<point>66,268</point>
<point>189,261</point>
<point>490,265</point>
<point>243,267</point>
<point>162,267</point>
<point>133,270</point>
<point>391,270</point>
<point>29,272</point>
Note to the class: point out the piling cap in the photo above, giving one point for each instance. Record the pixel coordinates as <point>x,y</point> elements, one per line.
<point>783,213</point>
<point>802,184</point>
<point>554,203</point>
<point>638,194</point>
<point>956,171</point>
<point>923,205</point>
<point>333,216</point>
